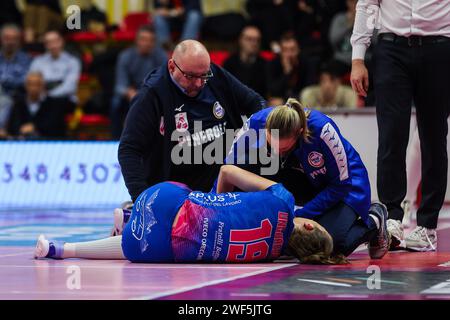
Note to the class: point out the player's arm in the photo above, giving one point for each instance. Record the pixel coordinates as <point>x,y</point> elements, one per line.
<point>231,177</point>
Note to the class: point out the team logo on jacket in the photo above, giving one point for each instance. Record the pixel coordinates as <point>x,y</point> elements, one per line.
<point>315,159</point>
<point>181,122</point>
<point>218,110</point>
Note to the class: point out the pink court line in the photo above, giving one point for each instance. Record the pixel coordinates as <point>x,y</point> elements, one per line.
<point>210,283</point>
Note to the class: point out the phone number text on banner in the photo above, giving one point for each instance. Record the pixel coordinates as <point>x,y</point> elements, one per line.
<point>60,174</point>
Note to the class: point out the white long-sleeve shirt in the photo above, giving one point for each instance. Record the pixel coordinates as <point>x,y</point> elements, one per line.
<point>66,68</point>
<point>402,17</point>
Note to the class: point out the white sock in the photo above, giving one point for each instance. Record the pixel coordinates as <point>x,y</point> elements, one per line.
<point>376,220</point>
<point>108,249</point>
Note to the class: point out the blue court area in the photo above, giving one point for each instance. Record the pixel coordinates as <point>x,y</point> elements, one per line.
<point>404,275</point>
<point>22,228</point>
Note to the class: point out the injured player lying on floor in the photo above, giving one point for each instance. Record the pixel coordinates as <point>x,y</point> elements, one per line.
<point>171,223</point>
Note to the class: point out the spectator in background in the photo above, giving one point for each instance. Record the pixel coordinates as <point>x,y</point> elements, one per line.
<point>329,93</point>
<point>93,19</point>
<point>37,115</point>
<point>41,16</point>
<point>61,70</point>
<point>132,67</point>
<point>170,14</point>
<point>223,19</point>
<point>290,72</point>
<point>14,63</point>
<point>340,33</point>
<point>246,64</point>
<point>324,12</point>
<point>305,16</point>
<point>5,108</point>
<point>103,68</point>
<point>273,18</point>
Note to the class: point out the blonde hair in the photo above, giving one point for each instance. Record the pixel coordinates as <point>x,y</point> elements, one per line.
<point>289,119</point>
<point>314,247</point>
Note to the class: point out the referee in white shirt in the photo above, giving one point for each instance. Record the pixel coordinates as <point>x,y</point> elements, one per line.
<point>411,65</point>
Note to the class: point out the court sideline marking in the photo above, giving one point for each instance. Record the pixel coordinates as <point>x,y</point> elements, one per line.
<point>210,283</point>
<point>28,252</point>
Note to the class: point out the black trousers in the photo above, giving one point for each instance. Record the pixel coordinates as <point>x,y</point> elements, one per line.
<point>346,228</point>
<point>404,75</point>
<point>341,221</point>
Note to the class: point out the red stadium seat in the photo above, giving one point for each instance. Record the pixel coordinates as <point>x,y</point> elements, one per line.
<point>124,35</point>
<point>135,20</point>
<point>131,23</point>
<point>316,35</point>
<point>219,57</point>
<point>89,126</point>
<point>94,120</point>
<point>84,77</point>
<point>86,36</point>
<point>87,58</point>
<point>268,55</point>
<point>346,79</point>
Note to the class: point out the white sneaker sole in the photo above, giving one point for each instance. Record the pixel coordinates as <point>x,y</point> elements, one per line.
<point>420,249</point>
<point>397,237</point>
<point>42,247</point>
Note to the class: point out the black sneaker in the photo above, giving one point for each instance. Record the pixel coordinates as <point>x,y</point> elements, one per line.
<point>379,244</point>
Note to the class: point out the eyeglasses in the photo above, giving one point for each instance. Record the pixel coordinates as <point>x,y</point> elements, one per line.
<point>204,77</point>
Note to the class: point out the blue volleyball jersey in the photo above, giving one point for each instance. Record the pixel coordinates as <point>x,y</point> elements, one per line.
<point>234,227</point>
<point>329,161</point>
<point>146,236</point>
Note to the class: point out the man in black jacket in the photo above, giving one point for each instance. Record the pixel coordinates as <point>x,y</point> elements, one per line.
<point>247,65</point>
<point>290,72</point>
<point>186,90</point>
<point>37,115</point>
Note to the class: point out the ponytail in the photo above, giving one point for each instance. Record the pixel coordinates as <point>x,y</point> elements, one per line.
<point>290,119</point>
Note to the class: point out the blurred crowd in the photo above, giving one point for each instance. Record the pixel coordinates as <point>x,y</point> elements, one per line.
<point>279,48</point>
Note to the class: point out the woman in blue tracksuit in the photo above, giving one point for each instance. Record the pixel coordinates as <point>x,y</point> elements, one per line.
<point>323,171</point>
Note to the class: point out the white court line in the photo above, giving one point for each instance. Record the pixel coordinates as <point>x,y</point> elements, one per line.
<point>17,254</point>
<point>383,281</point>
<point>146,266</point>
<point>348,296</point>
<point>249,294</point>
<point>210,283</point>
<point>337,284</point>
